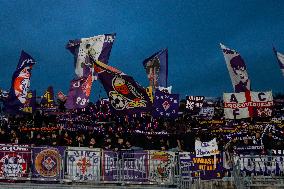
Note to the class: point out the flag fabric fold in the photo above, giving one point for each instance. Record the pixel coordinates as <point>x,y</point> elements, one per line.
<point>156,67</point>
<point>126,96</point>
<point>20,84</point>
<point>98,46</point>
<point>79,93</point>
<point>237,69</point>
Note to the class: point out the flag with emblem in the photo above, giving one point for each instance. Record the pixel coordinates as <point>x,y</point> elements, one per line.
<point>79,93</point>
<point>248,104</point>
<point>280,60</point>
<point>47,100</point>
<point>126,96</point>
<point>20,84</point>
<point>99,47</point>
<point>156,67</point>
<point>165,104</point>
<point>237,69</point>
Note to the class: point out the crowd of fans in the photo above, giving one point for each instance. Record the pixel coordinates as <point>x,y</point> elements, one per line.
<point>97,127</point>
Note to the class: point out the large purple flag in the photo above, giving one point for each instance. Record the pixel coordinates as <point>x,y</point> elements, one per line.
<point>157,68</point>
<point>99,47</point>
<point>165,104</point>
<point>125,94</point>
<point>20,84</point>
<point>237,69</point>
<point>47,101</point>
<point>280,59</point>
<point>79,93</point>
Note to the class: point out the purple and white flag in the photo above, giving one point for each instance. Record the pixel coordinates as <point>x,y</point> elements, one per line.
<point>79,93</point>
<point>165,105</point>
<point>280,59</point>
<point>83,163</point>
<point>237,69</point>
<point>99,47</point>
<point>134,167</point>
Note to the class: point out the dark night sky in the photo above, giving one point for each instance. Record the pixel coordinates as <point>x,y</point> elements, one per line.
<point>191,30</point>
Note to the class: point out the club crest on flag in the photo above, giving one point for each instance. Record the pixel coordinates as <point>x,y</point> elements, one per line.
<point>118,97</point>
<point>47,162</point>
<point>165,104</point>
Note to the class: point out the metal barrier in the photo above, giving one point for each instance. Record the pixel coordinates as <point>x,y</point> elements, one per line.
<point>24,163</point>
<point>258,171</point>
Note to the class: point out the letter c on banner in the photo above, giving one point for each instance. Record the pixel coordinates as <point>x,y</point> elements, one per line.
<point>261,98</point>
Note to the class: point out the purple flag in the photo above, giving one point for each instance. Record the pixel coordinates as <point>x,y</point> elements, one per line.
<point>126,96</point>
<point>237,69</point>
<point>30,104</point>
<point>47,101</point>
<point>280,59</point>
<point>99,47</point>
<point>157,68</point>
<point>113,172</point>
<point>20,84</point>
<point>79,93</point>
<point>165,105</point>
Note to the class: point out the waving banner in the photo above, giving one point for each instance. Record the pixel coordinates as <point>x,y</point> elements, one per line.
<point>99,47</point>
<point>15,160</point>
<point>83,163</point>
<point>47,100</point>
<point>156,67</point>
<point>194,103</point>
<point>203,149</point>
<point>247,104</point>
<point>125,94</point>
<point>237,69</point>
<point>280,60</point>
<point>20,84</point>
<point>79,93</point>
<point>30,104</point>
<point>48,162</point>
<point>165,105</point>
